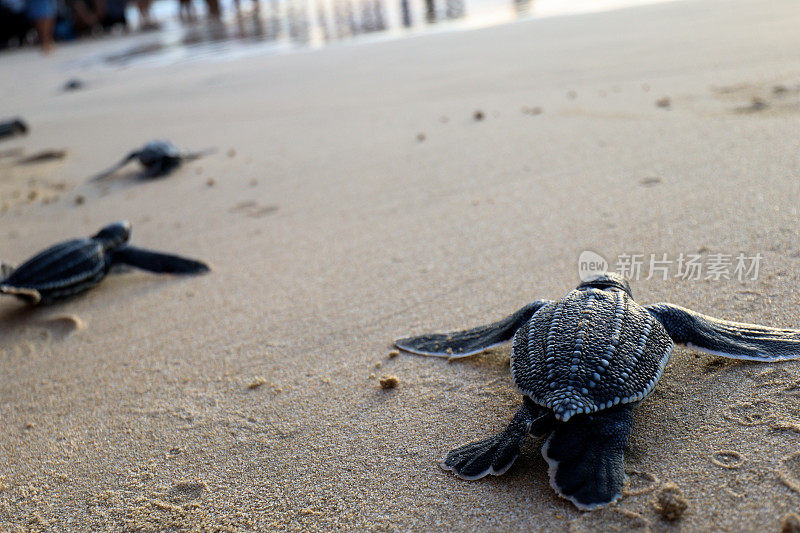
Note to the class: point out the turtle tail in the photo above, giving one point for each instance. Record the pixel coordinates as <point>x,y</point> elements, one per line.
<point>585,456</point>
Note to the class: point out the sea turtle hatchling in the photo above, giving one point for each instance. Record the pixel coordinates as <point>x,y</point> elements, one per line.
<point>158,158</point>
<point>582,363</point>
<point>10,128</point>
<point>77,265</point>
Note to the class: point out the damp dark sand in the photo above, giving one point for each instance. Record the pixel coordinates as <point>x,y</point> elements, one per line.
<point>250,398</point>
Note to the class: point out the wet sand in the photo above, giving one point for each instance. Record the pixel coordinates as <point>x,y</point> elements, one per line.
<point>354,199</point>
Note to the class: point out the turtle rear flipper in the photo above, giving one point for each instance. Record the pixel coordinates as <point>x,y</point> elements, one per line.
<point>495,455</point>
<point>728,339</point>
<point>32,296</point>
<point>157,262</point>
<point>470,342</point>
<point>106,173</point>
<point>586,458</point>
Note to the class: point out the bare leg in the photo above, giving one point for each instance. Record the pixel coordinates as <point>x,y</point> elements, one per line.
<point>144,12</point>
<point>213,8</point>
<point>44,27</point>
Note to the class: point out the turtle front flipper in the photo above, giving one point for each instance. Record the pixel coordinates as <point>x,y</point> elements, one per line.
<point>31,296</point>
<point>472,341</point>
<point>106,173</point>
<point>495,455</point>
<point>728,339</point>
<point>157,262</point>
<point>586,458</point>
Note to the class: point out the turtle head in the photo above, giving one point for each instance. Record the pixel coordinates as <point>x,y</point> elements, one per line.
<point>607,281</point>
<point>114,234</point>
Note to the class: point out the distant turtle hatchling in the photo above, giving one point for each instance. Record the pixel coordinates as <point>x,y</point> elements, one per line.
<point>583,362</point>
<point>158,158</point>
<point>77,265</point>
<point>15,126</point>
<point>74,84</point>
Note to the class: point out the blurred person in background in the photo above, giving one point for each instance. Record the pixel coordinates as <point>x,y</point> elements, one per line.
<point>186,12</point>
<point>86,15</point>
<point>213,9</point>
<point>256,6</point>
<point>115,15</point>
<point>146,23</point>
<point>42,13</point>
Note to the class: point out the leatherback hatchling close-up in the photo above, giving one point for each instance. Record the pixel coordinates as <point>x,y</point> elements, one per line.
<point>582,363</point>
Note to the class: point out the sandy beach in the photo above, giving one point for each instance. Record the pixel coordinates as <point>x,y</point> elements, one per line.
<point>354,199</point>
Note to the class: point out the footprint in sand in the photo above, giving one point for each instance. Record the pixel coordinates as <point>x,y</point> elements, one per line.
<point>23,339</point>
<point>774,377</point>
<point>186,490</point>
<point>43,157</point>
<point>786,425</point>
<point>756,105</point>
<point>727,459</point>
<point>610,520</point>
<point>63,326</point>
<point>755,413</point>
<point>712,366</point>
<point>738,488</point>
<point>24,350</point>
<point>788,396</point>
<point>639,483</point>
<point>790,389</point>
<point>252,209</point>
